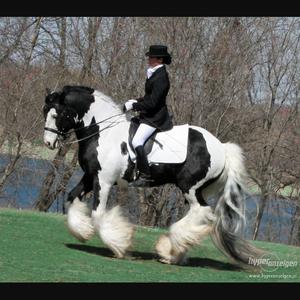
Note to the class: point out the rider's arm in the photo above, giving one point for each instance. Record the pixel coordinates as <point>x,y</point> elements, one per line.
<point>150,101</point>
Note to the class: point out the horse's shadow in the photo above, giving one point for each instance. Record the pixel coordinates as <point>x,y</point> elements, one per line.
<point>136,255</point>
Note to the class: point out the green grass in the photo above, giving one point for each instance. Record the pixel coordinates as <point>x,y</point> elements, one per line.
<point>36,247</point>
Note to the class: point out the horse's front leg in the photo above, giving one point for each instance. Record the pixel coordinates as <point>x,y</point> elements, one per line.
<point>79,221</point>
<point>114,229</point>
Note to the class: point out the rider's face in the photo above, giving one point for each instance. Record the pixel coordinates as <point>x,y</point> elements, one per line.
<point>154,61</point>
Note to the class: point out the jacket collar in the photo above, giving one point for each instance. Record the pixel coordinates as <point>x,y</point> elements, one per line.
<point>157,71</point>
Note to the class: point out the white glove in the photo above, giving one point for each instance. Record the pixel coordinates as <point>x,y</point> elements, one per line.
<point>129,103</point>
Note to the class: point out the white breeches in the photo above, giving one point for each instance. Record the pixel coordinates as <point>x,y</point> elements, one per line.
<point>142,134</point>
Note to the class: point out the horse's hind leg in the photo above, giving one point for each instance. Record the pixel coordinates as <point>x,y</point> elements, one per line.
<point>187,232</point>
<point>113,228</point>
<point>79,221</point>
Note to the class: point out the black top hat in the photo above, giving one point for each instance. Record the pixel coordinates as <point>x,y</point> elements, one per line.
<point>158,51</point>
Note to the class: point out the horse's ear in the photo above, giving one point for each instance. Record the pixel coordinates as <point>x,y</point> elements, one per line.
<point>48,91</point>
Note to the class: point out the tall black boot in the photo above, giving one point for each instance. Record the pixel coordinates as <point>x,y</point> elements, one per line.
<point>143,166</point>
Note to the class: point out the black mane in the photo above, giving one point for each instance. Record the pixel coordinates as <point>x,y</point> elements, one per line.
<point>77,88</point>
<point>78,97</point>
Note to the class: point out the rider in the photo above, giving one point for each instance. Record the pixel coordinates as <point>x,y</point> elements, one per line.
<point>153,110</point>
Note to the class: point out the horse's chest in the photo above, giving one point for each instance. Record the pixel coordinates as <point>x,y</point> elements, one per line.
<point>88,159</point>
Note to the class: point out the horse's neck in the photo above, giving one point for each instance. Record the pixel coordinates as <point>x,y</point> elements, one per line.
<point>105,108</point>
<point>101,109</point>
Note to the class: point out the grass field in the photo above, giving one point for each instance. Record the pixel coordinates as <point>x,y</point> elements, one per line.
<point>36,247</point>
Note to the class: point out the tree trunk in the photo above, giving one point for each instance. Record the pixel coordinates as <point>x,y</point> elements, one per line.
<point>46,198</point>
<point>147,208</point>
<point>10,168</point>
<point>34,40</point>
<point>263,201</point>
<point>63,43</point>
<point>67,174</point>
<point>298,224</point>
<point>93,26</point>
<point>295,225</point>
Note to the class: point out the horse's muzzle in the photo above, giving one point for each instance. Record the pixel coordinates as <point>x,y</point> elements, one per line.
<point>51,146</point>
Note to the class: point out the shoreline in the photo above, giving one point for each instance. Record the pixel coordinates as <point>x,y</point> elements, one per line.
<point>40,152</point>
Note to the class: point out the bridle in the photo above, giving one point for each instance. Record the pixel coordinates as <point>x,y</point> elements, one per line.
<point>63,135</point>
<point>60,133</point>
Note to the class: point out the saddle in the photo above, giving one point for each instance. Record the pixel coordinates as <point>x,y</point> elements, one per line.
<point>162,146</point>
<point>135,122</point>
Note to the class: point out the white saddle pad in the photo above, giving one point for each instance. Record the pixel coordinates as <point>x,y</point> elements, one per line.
<point>174,146</point>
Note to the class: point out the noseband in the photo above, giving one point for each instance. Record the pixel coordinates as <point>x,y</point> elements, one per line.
<point>62,134</point>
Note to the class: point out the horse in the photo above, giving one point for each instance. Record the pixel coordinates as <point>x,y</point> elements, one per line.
<point>209,168</point>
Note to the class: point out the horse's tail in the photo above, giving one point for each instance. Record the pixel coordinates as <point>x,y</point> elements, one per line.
<point>230,209</point>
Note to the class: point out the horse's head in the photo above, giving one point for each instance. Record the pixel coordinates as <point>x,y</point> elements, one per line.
<point>59,118</point>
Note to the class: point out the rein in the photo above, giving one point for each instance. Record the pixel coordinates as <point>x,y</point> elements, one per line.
<point>95,133</point>
<point>65,134</point>
<point>95,124</point>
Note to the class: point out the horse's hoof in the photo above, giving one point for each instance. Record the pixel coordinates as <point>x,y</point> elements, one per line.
<point>165,261</point>
<point>119,256</point>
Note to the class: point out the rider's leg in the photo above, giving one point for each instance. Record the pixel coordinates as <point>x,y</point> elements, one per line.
<point>142,134</point>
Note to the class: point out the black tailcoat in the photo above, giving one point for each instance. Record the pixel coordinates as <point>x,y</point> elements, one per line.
<point>152,107</point>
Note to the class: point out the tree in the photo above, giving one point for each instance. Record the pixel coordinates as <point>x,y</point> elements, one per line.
<point>14,105</point>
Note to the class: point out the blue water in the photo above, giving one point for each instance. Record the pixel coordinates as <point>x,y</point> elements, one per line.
<point>23,187</point>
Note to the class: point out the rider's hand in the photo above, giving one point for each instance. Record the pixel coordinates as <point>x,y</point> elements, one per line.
<point>128,104</point>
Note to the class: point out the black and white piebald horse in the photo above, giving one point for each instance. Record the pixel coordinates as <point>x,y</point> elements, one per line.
<point>209,167</point>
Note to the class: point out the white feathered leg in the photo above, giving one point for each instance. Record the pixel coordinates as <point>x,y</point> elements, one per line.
<point>79,221</point>
<point>185,233</point>
<point>113,228</point>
